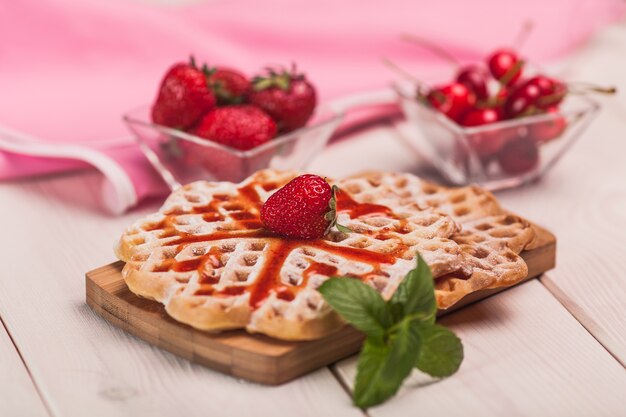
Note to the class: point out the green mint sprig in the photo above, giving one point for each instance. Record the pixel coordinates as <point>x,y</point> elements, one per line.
<point>401,333</point>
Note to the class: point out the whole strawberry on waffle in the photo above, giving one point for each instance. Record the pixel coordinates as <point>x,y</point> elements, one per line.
<point>221,255</point>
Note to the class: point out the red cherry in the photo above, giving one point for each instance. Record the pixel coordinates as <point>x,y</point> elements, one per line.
<point>545,84</point>
<point>522,99</point>
<point>505,66</point>
<point>479,117</point>
<point>453,100</point>
<point>542,132</point>
<point>487,143</point>
<point>519,155</point>
<point>502,94</point>
<point>552,91</point>
<point>475,79</point>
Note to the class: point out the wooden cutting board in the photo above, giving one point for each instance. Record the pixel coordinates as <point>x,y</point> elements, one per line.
<point>256,358</point>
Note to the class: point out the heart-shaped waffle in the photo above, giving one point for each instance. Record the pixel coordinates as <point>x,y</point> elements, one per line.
<point>206,257</point>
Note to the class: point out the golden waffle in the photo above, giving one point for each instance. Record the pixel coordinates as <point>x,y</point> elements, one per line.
<point>490,238</point>
<point>205,256</point>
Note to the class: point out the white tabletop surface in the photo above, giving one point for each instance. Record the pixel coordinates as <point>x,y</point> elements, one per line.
<point>555,346</point>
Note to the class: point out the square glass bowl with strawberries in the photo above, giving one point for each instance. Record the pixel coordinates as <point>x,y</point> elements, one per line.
<point>500,124</point>
<point>216,123</point>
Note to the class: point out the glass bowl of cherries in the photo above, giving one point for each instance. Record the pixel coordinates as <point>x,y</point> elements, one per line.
<point>218,124</point>
<point>500,125</point>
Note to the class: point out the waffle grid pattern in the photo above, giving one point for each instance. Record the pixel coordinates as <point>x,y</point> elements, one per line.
<point>462,233</point>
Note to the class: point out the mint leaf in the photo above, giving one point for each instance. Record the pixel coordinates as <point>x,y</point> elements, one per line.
<point>415,295</point>
<point>401,332</point>
<point>357,303</point>
<point>383,366</point>
<point>441,353</point>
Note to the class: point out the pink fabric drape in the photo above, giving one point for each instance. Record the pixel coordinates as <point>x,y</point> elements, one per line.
<point>70,68</point>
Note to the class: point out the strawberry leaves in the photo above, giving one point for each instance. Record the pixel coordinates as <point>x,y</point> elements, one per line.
<point>331,215</point>
<point>281,80</point>
<point>401,334</point>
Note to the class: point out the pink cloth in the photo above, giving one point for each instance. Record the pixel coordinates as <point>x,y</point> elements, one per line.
<point>70,68</point>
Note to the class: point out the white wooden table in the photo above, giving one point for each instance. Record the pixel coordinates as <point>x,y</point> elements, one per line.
<point>550,347</point>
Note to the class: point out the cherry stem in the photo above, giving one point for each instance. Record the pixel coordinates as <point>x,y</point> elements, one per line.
<point>551,99</point>
<point>523,34</point>
<point>406,74</point>
<point>491,102</point>
<point>432,47</point>
<point>584,87</point>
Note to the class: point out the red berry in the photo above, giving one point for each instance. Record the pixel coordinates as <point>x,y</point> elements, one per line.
<point>230,86</point>
<point>487,143</point>
<point>475,79</point>
<point>479,117</point>
<point>519,155</point>
<point>548,130</point>
<point>242,127</point>
<point>183,97</point>
<point>453,100</point>
<point>299,208</point>
<point>286,96</point>
<point>522,100</point>
<point>505,66</point>
<point>545,84</point>
<point>552,91</point>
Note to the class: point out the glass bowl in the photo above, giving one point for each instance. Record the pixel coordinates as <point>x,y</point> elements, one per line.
<point>181,157</point>
<point>494,156</point>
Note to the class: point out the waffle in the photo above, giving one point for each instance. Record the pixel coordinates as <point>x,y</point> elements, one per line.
<point>206,257</point>
<point>490,238</point>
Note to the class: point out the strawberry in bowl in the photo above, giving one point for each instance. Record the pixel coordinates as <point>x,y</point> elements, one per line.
<point>241,127</point>
<point>287,96</point>
<point>183,97</point>
<point>215,122</point>
<point>230,86</point>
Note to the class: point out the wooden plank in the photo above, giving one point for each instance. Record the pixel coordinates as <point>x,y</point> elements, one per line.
<point>254,357</point>
<point>590,277</point>
<point>606,321</point>
<point>84,366</point>
<point>18,395</point>
<point>525,355</point>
